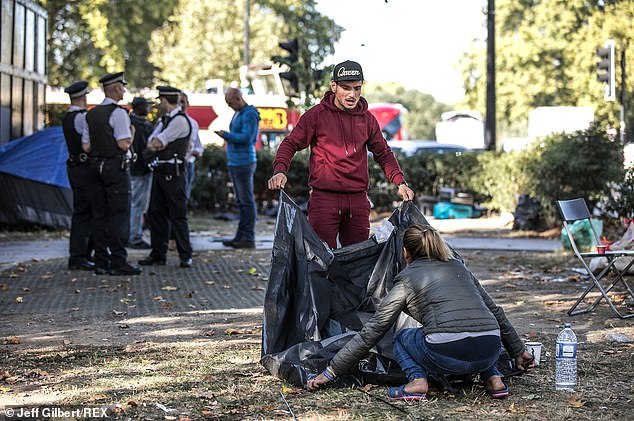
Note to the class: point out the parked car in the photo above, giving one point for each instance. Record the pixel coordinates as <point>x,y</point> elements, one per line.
<point>414,147</point>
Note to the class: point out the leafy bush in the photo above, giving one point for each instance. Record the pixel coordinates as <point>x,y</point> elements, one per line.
<point>582,164</point>
<point>212,189</point>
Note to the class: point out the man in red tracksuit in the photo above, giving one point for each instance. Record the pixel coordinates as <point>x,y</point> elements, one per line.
<point>339,131</point>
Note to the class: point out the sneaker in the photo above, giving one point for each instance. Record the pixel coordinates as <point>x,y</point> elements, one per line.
<point>187,263</point>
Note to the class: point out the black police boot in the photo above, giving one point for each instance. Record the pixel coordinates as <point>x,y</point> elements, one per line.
<point>80,264</point>
<point>125,270</point>
<point>152,261</point>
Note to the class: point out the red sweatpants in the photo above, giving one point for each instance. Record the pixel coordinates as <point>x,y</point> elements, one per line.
<point>344,214</point>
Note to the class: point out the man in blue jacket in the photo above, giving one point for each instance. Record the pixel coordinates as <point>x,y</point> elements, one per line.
<point>240,142</point>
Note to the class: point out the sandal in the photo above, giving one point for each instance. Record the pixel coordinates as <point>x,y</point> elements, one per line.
<point>399,394</point>
<point>498,394</point>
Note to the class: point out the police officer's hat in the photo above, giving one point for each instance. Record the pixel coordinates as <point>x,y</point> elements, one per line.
<point>138,101</point>
<point>167,91</point>
<point>77,89</point>
<point>111,78</point>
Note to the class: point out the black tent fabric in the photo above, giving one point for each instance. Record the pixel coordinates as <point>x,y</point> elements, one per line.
<point>317,298</point>
<point>34,186</point>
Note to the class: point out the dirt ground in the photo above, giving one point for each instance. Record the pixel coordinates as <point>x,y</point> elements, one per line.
<point>204,364</point>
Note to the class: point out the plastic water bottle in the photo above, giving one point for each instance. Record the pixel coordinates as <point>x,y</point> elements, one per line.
<point>566,360</point>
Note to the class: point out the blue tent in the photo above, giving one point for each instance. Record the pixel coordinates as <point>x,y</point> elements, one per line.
<point>34,186</point>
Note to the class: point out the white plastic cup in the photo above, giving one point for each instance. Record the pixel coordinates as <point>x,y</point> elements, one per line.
<point>535,349</point>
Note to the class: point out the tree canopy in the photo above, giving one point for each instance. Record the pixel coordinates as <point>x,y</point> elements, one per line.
<point>88,38</point>
<point>182,42</point>
<point>546,55</point>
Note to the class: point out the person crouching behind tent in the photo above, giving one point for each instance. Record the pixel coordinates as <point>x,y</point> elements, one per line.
<point>462,328</point>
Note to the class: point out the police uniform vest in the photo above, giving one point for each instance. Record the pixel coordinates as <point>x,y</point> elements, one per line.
<point>179,146</point>
<point>73,138</point>
<point>102,141</point>
<point>142,131</point>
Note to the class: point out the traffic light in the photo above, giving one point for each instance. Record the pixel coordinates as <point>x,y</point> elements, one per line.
<point>292,47</point>
<point>318,79</point>
<point>291,61</point>
<point>605,69</point>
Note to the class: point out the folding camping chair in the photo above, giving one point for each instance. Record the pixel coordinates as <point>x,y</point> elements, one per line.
<point>575,210</point>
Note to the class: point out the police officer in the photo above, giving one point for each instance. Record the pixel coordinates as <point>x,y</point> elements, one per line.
<point>78,170</point>
<point>108,138</point>
<point>168,201</point>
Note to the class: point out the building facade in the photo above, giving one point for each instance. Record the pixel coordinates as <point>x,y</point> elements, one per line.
<point>23,71</point>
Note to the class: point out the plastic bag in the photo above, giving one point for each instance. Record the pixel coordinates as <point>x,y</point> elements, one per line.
<point>626,241</point>
<point>582,233</point>
<point>383,232</point>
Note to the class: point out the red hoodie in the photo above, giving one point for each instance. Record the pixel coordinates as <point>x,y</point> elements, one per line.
<point>339,141</point>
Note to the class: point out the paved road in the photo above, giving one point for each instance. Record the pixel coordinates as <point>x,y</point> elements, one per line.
<point>34,278</point>
<point>13,252</point>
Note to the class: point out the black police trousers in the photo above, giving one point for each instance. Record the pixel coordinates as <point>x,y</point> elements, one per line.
<point>80,245</point>
<point>168,213</point>
<point>111,210</point>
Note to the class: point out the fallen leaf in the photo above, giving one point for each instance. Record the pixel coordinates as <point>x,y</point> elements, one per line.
<point>67,342</point>
<point>210,332</point>
<point>252,271</point>
<point>5,389</point>
<point>256,288</point>
<point>290,390</point>
<point>26,289</point>
<point>19,299</point>
<point>210,282</point>
<point>37,373</point>
<point>118,313</point>
<point>75,309</point>
<point>46,276</point>
<point>13,275</point>
<point>158,298</point>
<point>132,403</point>
<point>77,291</point>
<point>226,286</point>
<point>462,409</point>
<point>169,288</point>
<point>366,388</point>
<point>4,287</point>
<point>514,410</point>
<point>13,340</point>
<point>517,303</point>
<point>231,331</point>
<point>575,401</point>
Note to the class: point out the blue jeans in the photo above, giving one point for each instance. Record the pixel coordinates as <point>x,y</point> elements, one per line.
<point>242,178</point>
<point>141,186</point>
<point>190,169</point>
<point>412,353</point>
